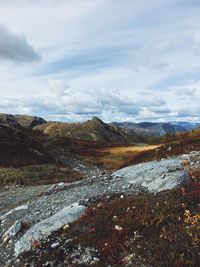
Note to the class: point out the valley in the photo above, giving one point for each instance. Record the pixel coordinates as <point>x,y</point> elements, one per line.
<point>112,158</point>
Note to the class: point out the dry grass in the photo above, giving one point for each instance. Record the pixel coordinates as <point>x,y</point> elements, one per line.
<point>128,149</point>
<point>111,158</point>
<point>170,149</point>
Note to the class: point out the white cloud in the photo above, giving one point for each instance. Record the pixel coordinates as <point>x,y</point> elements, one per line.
<point>58,87</point>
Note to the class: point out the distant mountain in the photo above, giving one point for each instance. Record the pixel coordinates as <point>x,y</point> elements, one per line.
<point>188,126</point>
<point>156,129</point>
<point>21,120</point>
<point>91,130</point>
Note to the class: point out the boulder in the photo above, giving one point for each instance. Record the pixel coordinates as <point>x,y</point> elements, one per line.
<point>43,229</point>
<point>156,176</point>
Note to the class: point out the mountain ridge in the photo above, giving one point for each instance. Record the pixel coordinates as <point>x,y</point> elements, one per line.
<point>90,130</point>
<point>96,130</point>
<point>144,128</point>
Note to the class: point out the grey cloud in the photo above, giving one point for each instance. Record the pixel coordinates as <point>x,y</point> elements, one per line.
<point>186,92</point>
<point>153,102</point>
<point>192,113</point>
<point>161,110</point>
<point>15,48</point>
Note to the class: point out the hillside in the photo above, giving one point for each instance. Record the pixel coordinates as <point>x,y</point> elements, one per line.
<point>19,147</point>
<point>24,160</point>
<point>91,130</point>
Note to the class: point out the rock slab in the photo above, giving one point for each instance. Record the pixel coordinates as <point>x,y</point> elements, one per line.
<point>44,228</point>
<point>155,176</point>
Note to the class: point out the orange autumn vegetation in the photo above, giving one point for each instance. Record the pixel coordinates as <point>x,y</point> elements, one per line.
<point>111,158</point>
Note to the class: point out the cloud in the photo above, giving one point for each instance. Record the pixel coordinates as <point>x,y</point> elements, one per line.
<point>123,60</point>
<point>66,103</point>
<point>15,48</point>
<point>58,87</point>
<point>189,92</point>
<point>183,112</point>
<point>87,59</point>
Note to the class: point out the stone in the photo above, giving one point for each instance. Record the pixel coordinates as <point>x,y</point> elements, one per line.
<point>54,245</point>
<point>155,176</point>
<point>43,229</point>
<point>12,231</point>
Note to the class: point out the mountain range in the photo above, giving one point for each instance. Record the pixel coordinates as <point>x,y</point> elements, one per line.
<point>95,129</point>
<point>156,128</point>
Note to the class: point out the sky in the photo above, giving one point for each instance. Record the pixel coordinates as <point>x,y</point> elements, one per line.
<point>130,60</point>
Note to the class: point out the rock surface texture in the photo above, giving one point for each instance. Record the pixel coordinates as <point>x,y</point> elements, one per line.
<point>44,228</point>
<point>156,175</point>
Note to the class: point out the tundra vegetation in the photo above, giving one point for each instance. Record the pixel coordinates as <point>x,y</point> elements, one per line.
<point>145,229</point>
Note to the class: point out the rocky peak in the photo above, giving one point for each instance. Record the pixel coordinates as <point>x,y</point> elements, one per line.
<point>96,120</point>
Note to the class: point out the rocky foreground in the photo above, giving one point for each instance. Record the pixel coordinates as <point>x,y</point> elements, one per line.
<point>29,216</point>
